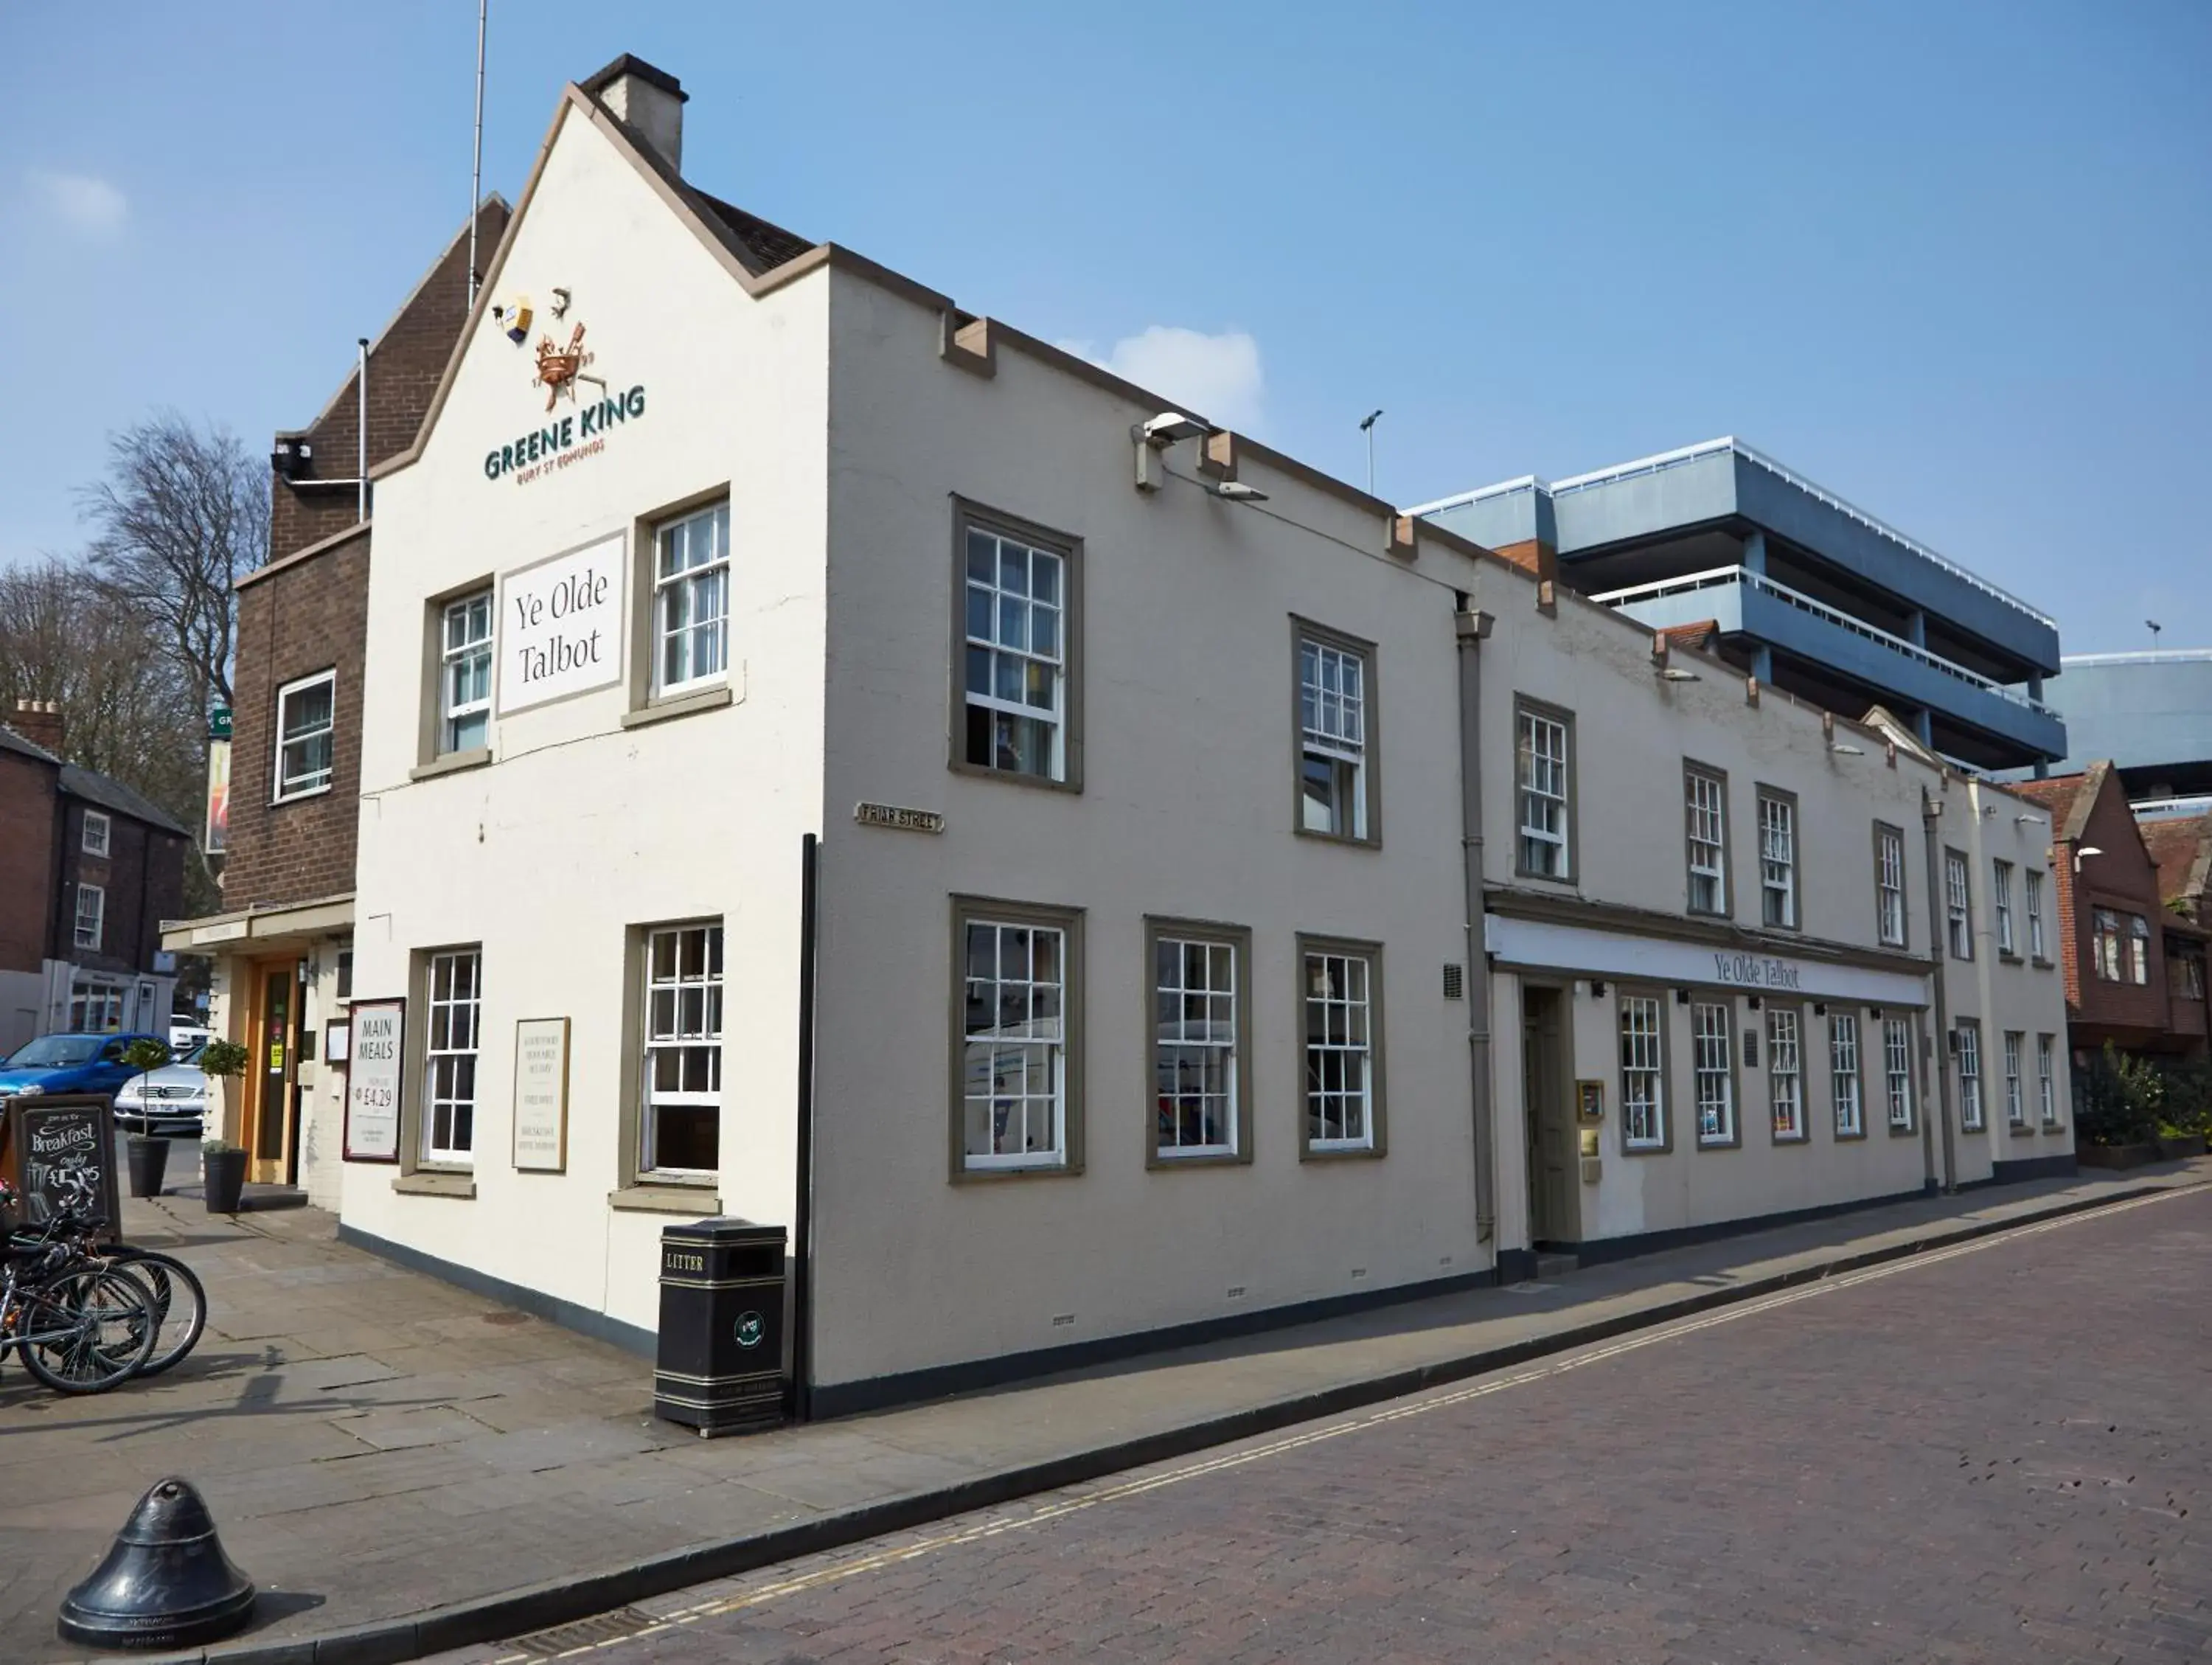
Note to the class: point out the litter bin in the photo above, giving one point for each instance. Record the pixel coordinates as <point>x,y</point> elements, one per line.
<point>720,1367</point>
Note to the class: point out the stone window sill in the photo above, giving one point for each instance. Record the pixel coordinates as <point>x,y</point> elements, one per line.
<point>451,763</point>
<point>698,1201</point>
<point>424,1183</point>
<point>709,699</point>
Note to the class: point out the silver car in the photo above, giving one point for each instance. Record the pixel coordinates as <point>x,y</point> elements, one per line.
<point>169,1100</point>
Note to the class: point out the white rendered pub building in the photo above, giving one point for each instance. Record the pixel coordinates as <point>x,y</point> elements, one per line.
<point>803,715</point>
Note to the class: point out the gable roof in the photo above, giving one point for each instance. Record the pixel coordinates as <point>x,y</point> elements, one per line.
<point>2069,798</point>
<point>11,741</point>
<point>112,794</point>
<point>1698,637</point>
<point>2183,850</point>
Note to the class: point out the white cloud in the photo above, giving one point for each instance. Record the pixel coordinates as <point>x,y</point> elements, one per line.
<point>81,201</point>
<point>1217,376</point>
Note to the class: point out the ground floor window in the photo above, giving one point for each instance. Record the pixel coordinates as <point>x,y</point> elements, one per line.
<point>1198,1063</point>
<point>1785,1074</point>
<point>1642,1074</point>
<point>1014,1040</point>
<point>1970,1075</point>
<point>1897,1065</point>
<point>95,1008</point>
<point>681,1121</point>
<point>1844,1074</point>
<point>455,1005</point>
<point>2046,1079</point>
<point>2015,1100</point>
<point>1715,1072</point>
<point>1342,1096</point>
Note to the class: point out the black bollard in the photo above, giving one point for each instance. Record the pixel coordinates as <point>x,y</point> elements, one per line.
<point>165,1582</point>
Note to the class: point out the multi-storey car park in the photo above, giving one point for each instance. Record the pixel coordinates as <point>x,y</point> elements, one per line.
<point>1808,593</point>
<point>2150,714</point>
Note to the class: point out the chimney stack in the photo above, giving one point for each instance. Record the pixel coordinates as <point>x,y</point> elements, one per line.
<point>649,101</point>
<point>39,721</point>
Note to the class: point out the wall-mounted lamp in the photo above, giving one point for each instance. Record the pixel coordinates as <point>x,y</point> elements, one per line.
<point>1682,997</point>
<point>1844,749</point>
<point>1675,673</point>
<point>1597,989</point>
<point>1237,491</point>
<point>2024,820</point>
<point>2086,850</point>
<point>1820,1008</point>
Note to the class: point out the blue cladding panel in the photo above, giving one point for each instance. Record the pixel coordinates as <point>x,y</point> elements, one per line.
<point>2142,714</point>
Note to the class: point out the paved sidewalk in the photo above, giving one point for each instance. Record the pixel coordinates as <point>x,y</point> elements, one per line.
<point>376,1445</point>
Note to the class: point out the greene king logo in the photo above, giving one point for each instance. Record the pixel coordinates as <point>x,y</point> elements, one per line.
<point>751,1329</point>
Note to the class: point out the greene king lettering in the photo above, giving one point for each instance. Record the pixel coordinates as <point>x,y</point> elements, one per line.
<point>1749,971</point>
<point>549,442</point>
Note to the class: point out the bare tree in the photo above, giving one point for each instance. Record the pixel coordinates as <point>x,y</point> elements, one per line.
<point>183,513</point>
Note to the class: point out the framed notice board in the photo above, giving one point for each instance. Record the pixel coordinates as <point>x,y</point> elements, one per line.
<point>376,1048</point>
<point>540,1095</point>
<point>43,1137</point>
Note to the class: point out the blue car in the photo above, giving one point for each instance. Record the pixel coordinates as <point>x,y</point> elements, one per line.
<point>70,1063</point>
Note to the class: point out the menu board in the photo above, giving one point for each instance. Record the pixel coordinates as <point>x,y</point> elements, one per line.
<point>48,1135</point>
<point>377,1041</point>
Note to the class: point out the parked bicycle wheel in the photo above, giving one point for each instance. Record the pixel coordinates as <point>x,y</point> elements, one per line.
<point>84,1332</point>
<point>177,1298</point>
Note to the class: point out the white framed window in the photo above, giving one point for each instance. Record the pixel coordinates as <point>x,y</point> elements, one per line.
<point>91,915</point>
<point>1014,1036</point>
<point>680,1129</point>
<point>1332,695</point>
<point>1970,1074</point>
<point>464,673</point>
<point>1706,809</point>
<point>1342,1100</point>
<point>2104,929</point>
<point>1642,1074</point>
<point>96,830</point>
<point>1712,1066</point>
<point>2001,895</point>
<point>2138,949</point>
<point>1015,654</point>
<point>95,1008</point>
<point>2035,947</point>
<point>1844,1074</point>
<point>307,714</point>
<point>691,600</point>
<point>1543,764</point>
<point>1777,860</point>
<point>1959,905</point>
<point>1197,1044</point>
<point>1785,1079</point>
<point>455,985</point>
<point>1889,884</point>
<point>1897,1068</point>
<point>2016,1100</point>
<point>2046,1080</point>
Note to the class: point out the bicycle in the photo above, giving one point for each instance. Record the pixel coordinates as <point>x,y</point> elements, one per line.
<point>79,1327</point>
<point>176,1298</point>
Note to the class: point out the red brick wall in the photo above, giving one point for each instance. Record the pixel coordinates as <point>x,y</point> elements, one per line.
<point>143,877</point>
<point>26,860</point>
<point>2124,878</point>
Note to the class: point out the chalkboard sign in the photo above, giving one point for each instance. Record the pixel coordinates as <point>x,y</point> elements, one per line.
<point>49,1134</point>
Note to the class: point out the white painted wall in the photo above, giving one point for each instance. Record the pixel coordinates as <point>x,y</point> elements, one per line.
<point>581,829</point>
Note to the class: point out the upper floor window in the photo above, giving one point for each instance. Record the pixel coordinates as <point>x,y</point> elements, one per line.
<point>1706,808</point>
<point>96,830</point>
<point>91,915</point>
<point>2035,915</point>
<point>465,674</point>
<point>1016,648</point>
<point>2000,896</point>
<point>1959,905</point>
<point>307,715</point>
<point>1889,884</point>
<point>1335,686</point>
<point>1777,860</point>
<point>691,600</point>
<point>1544,775</point>
<point>2104,942</point>
<point>2188,975</point>
<point>2138,949</point>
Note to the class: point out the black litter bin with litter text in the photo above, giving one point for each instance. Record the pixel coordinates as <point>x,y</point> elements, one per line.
<point>719,1368</point>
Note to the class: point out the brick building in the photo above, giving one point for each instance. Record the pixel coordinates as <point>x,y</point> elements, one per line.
<point>2126,955</point>
<point>2182,848</point>
<point>282,944</point>
<point>88,868</point>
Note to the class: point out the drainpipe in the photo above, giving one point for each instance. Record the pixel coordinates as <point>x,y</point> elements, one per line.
<point>1471,625</point>
<point>802,1213</point>
<point>361,382</point>
<point>1931,811</point>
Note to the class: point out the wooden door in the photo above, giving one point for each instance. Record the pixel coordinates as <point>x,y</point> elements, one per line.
<point>271,1068</point>
<point>1552,1152</point>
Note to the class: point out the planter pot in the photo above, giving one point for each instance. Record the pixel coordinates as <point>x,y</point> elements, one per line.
<point>2115,1156</point>
<point>2187,1144</point>
<point>225,1172</point>
<point>149,1163</point>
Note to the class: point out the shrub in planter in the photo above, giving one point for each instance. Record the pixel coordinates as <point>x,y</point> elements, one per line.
<point>222,1165</point>
<point>222,1062</point>
<point>2119,1100</point>
<point>148,1156</point>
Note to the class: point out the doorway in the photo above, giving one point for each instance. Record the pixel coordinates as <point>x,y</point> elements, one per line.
<point>1552,1196</point>
<point>272,1068</point>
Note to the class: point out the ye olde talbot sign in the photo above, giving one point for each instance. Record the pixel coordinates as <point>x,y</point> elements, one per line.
<point>898,819</point>
<point>560,626</point>
<point>1755,971</point>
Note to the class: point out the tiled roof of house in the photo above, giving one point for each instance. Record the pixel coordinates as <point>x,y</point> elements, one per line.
<point>1699,636</point>
<point>2183,850</point>
<point>111,794</point>
<point>2068,796</point>
<point>11,741</point>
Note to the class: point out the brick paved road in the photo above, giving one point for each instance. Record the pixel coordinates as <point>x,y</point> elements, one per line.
<point>2002,1453</point>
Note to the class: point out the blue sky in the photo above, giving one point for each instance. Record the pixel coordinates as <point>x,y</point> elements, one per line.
<point>1952,261</point>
